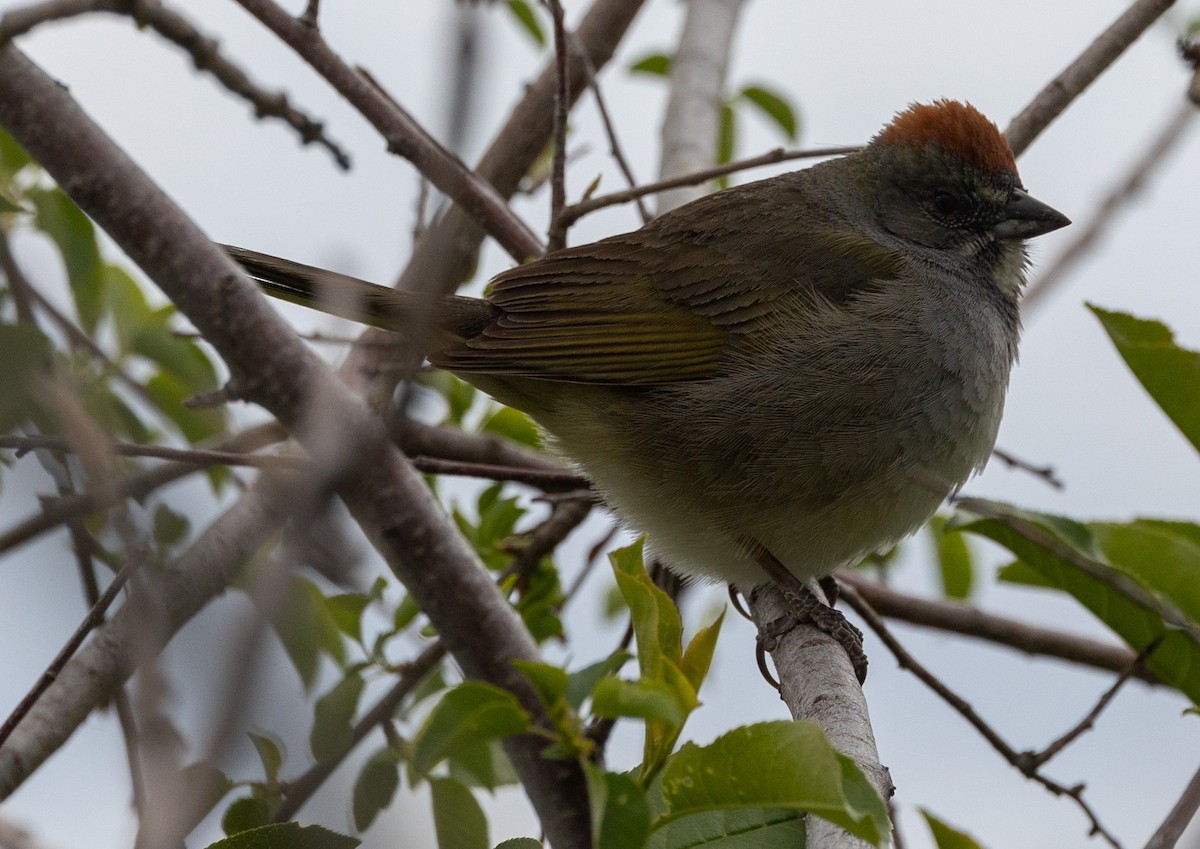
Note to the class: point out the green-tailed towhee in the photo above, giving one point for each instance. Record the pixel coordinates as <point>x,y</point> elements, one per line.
<point>793,372</point>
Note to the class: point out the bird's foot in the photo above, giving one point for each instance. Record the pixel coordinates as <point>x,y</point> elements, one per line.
<point>804,608</point>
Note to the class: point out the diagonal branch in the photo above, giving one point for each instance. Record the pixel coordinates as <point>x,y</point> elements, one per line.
<point>271,367</point>
<point>1052,100</point>
<point>403,134</point>
<point>203,50</point>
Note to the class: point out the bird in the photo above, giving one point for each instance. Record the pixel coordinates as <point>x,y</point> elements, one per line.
<point>775,380</point>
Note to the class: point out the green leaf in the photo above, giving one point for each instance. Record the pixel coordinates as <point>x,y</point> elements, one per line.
<point>620,815</point>
<point>287,835</point>
<point>697,657</point>
<point>130,308</point>
<point>12,156</point>
<point>457,817</point>
<point>540,602</point>
<point>10,204</point>
<point>775,107</point>
<point>482,764</point>
<point>332,732</point>
<point>583,681</point>
<point>169,527</point>
<point>550,681</point>
<point>206,784</point>
<point>307,629</point>
<point>946,837</point>
<point>168,393</point>
<point>521,843</point>
<point>756,828</point>
<point>1154,556</point>
<point>375,786</point>
<point>75,237</point>
<point>1170,374</point>
<point>774,765</point>
<point>726,139</point>
<point>656,621</point>
<point>645,699</point>
<point>513,425</point>
<point>244,814</point>
<point>347,612</point>
<point>113,414</point>
<point>471,712</point>
<point>269,753</point>
<point>183,359</point>
<point>527,18</point>
<point>26,353</point>
<point>656,64</point>
<point>954,559</point>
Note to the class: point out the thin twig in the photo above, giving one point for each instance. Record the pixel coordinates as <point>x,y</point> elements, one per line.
<point>530,548</point>
<point>557,236</point>
<point>135,486</point>
<point>311,11</point>
<point>403,134</point>
<point>547,480</point>
<point>1038,759</point>
<point>199,456</point>
<point>94,617</point>
<point>1129,187</point>
<point>960,705</point>
<point>1177,820</point>
<point>1059,92</point>
<point>202,49</point>
<point>1046,473</point>
<point>610,130</point>
<point>957,618</point>
<point>300,790</point>
<point>576,211</point>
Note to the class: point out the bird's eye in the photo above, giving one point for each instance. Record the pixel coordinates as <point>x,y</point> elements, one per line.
<point>948,205</point>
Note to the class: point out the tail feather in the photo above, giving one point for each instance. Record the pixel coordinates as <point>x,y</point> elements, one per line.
<point>327,291</point>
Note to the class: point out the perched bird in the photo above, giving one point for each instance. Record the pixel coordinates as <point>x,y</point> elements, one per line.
<point>774,380</point>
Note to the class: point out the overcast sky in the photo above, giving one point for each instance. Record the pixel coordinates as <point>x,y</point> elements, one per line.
<point>848,66</point>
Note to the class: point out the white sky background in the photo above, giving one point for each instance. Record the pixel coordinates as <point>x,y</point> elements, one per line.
<point>847,66</point>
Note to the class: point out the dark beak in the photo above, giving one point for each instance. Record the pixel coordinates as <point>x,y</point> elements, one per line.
<point>1026,216</point>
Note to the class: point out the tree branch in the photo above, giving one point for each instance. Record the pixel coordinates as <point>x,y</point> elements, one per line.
<point>403,134</point>
<point>203,50</point>
<point>270,366</point>
<point>698,71</point>
<point>973,622</point>
<point>1052,100</point>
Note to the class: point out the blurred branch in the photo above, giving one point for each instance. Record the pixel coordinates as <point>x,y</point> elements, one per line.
<point>1129,187</point>
<point>1052,100</point>
<point>445,253</point>
<point>136,486</point>
<point>1177,820</point>
<point>271,367</point>
<point>698,71</point>
<point>91,677</point>
<point>403,134</point>
<point>203,50</point>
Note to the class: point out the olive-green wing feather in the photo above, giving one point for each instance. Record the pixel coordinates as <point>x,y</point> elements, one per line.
<point>662,304</point>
